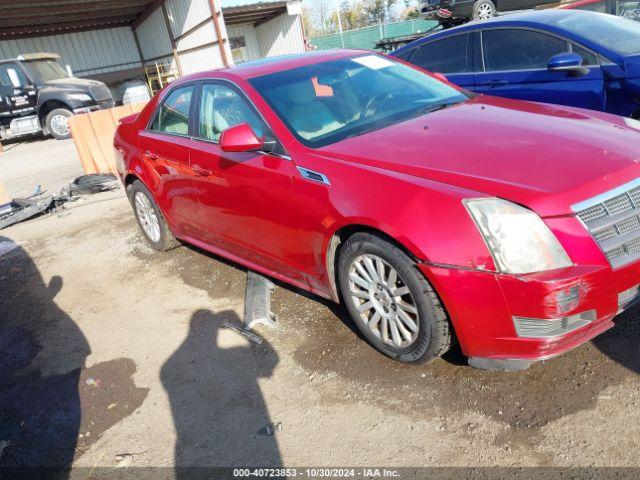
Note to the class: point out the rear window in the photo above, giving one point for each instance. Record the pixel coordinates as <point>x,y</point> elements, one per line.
<point>619,35</point>
<point>448,55</point>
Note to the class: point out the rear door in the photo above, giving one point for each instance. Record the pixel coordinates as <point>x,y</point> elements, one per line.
<point>247,206</point>
<point>514,65</point>
<point>17,96</point>
<point>451,56</point>
<point>164,148</point>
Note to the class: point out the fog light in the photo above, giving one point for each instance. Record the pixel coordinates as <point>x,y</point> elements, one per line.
<point>550,328</point>
<point>628,297</point>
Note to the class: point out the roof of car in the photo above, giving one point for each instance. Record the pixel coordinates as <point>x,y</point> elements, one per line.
<point>538,18</point>
<point>281,63</point>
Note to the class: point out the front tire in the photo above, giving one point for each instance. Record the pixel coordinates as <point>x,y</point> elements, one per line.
<point>484,10</point>
<point>150,219</point>
<point>57,123</point>
<point>390,301</point>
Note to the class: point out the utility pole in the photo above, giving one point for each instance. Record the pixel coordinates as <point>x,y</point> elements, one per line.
<point>340,24</point>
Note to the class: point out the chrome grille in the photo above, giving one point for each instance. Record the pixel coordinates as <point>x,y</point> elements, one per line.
<point>100,93</point>
<point>613,219</point>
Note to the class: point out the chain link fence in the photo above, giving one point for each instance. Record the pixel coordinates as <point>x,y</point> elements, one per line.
<point>368,37</point>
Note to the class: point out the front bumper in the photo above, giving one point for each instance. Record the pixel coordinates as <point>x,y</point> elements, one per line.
<point>482,306</point>
<point>92,107</point>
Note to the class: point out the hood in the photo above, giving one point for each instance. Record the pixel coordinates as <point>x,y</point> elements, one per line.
<point>542,156</point>
<point>73,83</point>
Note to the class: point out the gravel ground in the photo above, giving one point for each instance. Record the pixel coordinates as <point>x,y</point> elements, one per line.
<point>116,358</point>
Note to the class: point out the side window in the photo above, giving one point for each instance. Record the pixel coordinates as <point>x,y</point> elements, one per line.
<point>518,49</point>
<point>10,72</point>
<point>173,115</point>
<point>588,58</point>
<point>406,54</point>
<point>449,55</point>
<point>222,107</point>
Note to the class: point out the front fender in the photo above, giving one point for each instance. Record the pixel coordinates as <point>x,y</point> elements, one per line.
<point>428,218</point>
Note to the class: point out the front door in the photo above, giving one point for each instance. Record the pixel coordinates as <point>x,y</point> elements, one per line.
<point>17,96</point>
<point>515,66</point>
<point>247,204</point>
<point>164,147</point>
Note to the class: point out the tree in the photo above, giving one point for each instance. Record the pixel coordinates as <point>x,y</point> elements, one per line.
<point>323,16</point>
<point>410,12</point>
<point>308,23</point>
<point>378,11</point>
<point>352,15</point>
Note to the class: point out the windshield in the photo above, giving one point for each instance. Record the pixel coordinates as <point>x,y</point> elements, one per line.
<point>617,34</point>
<point>330,101</point>
<point>45,70</point>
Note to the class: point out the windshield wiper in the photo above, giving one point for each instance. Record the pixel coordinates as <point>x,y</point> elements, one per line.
<point>435,107</point>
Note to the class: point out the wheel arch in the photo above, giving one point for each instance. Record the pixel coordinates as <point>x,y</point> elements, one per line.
<point>338,238</point>
<point>50,105</point>
<point>130,178</point>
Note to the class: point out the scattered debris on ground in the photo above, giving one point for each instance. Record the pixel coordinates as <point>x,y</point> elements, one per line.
<point>38,203</point>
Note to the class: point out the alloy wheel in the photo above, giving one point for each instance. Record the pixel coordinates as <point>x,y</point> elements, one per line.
<point>384,301</point>
<point>147,216</point>
<point>485,11</point>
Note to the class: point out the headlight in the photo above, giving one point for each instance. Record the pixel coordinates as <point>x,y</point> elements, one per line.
<point>518,239</point>
<point>632,123</point>
<point>80,97</point>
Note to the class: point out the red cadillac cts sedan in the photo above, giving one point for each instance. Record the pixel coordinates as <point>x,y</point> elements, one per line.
<point>435,215</point>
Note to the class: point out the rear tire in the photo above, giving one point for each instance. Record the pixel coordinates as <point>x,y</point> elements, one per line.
<point>57,124</point>
<point>483,10</point>
<point>150,219</point>
<point>404,298</point>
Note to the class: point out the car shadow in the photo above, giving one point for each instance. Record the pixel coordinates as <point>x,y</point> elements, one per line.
<point>621,342</point>
<point>212,380</point>
<point>42,352</point>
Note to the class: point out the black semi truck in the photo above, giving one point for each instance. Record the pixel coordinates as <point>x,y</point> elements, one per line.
<point>38,94</point>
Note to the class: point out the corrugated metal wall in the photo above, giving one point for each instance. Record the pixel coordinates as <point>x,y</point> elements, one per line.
<point>197,50</point>
<point>91,52</point>
<point>184,15</point>
<point>281,35</point>
<point>252,45</point>
<point>110,50</point>
<point>152,34</point>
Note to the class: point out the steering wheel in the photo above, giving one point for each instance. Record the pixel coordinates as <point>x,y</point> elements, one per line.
<point>376,100</point>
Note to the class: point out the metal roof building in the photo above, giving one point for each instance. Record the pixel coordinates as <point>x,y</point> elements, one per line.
<point>113,40</point>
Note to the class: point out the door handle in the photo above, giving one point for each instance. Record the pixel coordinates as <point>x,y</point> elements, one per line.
<point>496,83</point>
<point>150,155</point>
<point>201,171</point>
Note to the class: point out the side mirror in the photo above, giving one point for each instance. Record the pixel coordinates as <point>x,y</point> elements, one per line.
<point>567,62</point>
<point>240,139</point>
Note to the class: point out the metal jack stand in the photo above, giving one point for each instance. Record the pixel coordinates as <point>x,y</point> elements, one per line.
<point>257,302</point>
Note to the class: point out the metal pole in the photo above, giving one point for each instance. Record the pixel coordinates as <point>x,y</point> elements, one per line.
<point>340,25</point>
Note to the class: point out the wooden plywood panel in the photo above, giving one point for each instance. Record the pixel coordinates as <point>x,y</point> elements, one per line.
<point>93,136</point>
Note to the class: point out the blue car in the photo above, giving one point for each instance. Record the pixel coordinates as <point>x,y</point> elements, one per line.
<point>577,58</point>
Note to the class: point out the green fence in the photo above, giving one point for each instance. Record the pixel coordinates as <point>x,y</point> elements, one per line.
<point>367,38</point>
